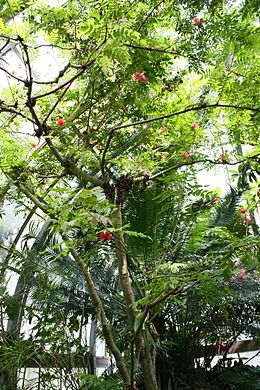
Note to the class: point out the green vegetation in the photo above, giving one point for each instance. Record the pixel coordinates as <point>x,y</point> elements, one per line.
<point>102,152</point>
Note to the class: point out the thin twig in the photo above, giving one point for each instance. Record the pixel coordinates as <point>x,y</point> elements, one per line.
<point>197,162</point>
<point>258,352</point>
<point>56,103</point>
<point>148,15</point>
<point>188,109</point>
<point>12,75</point>
<point>79,73</point>
<point>13,111</point>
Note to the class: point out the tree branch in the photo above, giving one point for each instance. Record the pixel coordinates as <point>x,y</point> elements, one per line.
<point>12,75</point>
<point>195,108</point>
<point>80,72</point>
<point>158,50</point>
<point>68,164</point>
<point>55,81</point>
<point>164,295</point>
<point>35,200</point>
<point>5,261</point>
<point>197,162</point>
<point>55,104</point>
<point>29,82</point>
<point>148,15</point>
<point>14,111</point>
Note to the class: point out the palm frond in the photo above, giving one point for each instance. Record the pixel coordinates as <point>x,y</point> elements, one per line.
<point>225,213</point>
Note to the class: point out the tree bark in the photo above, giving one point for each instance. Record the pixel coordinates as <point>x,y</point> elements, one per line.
<point>147,360</point>
<point>101,313</point>
<point>149,370</point>
<point>123,269</point>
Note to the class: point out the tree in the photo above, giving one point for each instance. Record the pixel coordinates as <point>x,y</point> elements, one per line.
<point>145,97</point>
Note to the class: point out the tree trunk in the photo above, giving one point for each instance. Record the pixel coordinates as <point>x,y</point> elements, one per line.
<point>8,380</point>
<point>149,372</point>
<point>147,361</point>
<point>123,269</point>
<point>101,313</point>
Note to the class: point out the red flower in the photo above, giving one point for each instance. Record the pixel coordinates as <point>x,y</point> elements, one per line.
<point>222,346</point>
<point>109,235</point>
<point>165,129</point>
<point>223,158</point>
<point>143,80</point>
<point>102,236</point>
<point>60,122</point>
<point>105,236</point>
<point>185,155</point>
<point>141,77</point>
<point>243,211</point>
<point>195,125</point>
<point>241,275</point>
<point>196,20</point>
<point>158,9</point>
<point>245,219</point>
<point>137,75</point>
